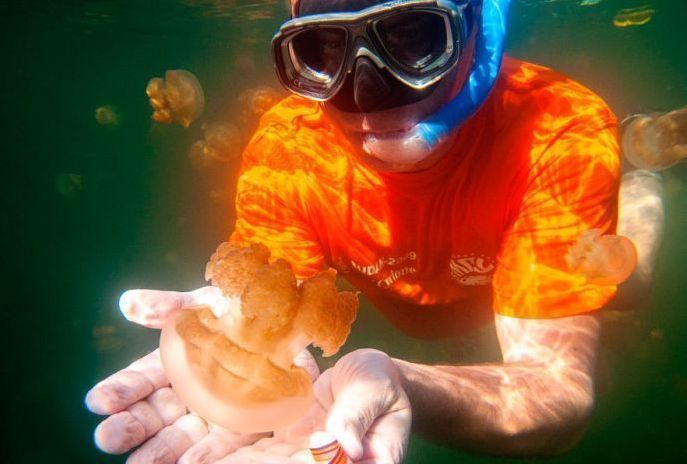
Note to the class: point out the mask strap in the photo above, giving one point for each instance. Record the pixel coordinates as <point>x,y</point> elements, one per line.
<point>294,7</point>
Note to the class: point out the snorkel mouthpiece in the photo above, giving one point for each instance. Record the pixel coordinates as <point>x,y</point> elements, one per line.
<point>421,140</point>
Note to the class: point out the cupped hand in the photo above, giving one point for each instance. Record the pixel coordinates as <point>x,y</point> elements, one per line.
<point>145,411</point>
<point>360,401</point>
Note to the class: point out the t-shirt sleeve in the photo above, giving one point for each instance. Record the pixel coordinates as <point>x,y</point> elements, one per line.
<point>271,204</point>
<point>572,186</point>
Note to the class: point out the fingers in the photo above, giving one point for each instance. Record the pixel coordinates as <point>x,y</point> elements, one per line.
<point>170,442</point>
<point>131,427</point>
<point>306,360</point>
<point>127,386</point>
<point>216,445</point>
<point>150,308</point>
<point>386,440</point>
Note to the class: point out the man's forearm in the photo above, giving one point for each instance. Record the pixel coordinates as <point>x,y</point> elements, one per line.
<point>535,403</point>
<point>511,409</point>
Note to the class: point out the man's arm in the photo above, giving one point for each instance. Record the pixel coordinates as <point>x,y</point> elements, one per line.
<point>536,403</point>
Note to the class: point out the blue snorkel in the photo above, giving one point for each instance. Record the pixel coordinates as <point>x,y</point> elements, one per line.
<point>427,135</point>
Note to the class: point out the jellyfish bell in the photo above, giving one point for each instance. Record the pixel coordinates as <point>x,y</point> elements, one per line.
<point>256,101</point>
<point>107,115</point>
<point>656,141</point>
<point>603,259</point>
<point>225,384</point>
<point>176,98</point>
<point>222,142</point>
<point>233,363</point>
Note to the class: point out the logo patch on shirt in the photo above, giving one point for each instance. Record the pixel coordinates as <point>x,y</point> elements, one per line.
<point>472,269</point>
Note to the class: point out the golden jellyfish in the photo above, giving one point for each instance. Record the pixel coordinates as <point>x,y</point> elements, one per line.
<point>233,364</point>
<point>256,101</point>
<point>107,115</point>
<point>222,142</point>
<point>176,98</point>
<point>603,259</point>
<point>656,141</point>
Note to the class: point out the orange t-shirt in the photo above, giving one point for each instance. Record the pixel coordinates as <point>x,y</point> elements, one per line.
<point>487,227</point>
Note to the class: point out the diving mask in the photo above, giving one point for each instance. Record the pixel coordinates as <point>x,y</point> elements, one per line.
<point>417,41</point>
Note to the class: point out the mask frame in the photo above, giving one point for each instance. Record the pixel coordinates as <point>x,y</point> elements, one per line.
<point>362,38</point>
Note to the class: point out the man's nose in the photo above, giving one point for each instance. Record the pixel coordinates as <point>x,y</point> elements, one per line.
<point>370,89</point>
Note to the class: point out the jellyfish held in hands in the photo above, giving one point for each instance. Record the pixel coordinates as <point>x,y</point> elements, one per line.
<point>176,98</point>
<point>234,364</point>
<point>603,259</point>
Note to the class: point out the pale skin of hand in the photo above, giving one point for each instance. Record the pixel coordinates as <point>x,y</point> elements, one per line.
<point>145,412</point>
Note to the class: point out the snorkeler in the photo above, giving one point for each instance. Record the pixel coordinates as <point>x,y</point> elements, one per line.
<point>447,183</point>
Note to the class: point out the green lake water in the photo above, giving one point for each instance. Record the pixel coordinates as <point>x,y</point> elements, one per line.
<point>91,210</point>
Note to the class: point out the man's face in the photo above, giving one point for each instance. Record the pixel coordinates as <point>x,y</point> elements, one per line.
<point>372,102</point>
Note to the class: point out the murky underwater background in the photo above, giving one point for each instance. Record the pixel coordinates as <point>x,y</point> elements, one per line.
<point>90,210</point>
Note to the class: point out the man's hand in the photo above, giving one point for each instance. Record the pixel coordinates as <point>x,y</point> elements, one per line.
<point>144,410</point>
<point>360,401</point>
<point>369,411</point>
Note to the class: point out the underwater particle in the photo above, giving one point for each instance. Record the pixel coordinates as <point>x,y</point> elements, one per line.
<point>176,98</point>
<point>105,338</point>
<point>68,184</point>
<point>603,259</point>
<point>657,334</point>
<point>256,101</point>
<point>107,115</point>
<point>171,257</point>
<point>590,2</point>
<point>656,141</point>
<point>633,16</point>
<point>222,142</point>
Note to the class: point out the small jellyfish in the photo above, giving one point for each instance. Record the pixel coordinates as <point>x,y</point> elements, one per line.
<point>68,184</point>
<point>603,259</point>
<point>256,101</point>
<point>656,141</point>
<point>222,142</point>
<point>633,16</point>
<point>176,98</point>
<point>107,115</point>
<point>325,449</point>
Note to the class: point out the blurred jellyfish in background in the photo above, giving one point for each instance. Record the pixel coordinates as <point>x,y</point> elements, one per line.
<point>107,115</point>
<point>256,101</point>
<point>176,98</point>
<point>105,338</point>
<point>633,16</point>
<point>656,141</point>
<point>222,142</point>
<point>68,184</point>
<point>603,259</point>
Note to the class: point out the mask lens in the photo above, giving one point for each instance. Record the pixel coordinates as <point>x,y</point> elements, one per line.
<point>415,39</point>
<point>319,53</point>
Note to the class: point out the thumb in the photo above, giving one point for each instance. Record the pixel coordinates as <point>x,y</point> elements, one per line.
<point>151,308</point>
<point>353,412</point>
